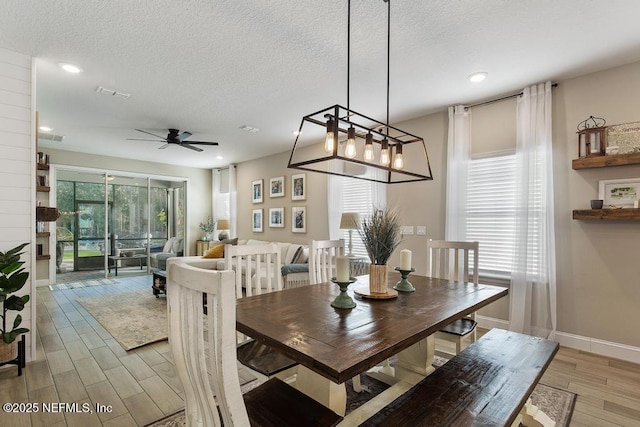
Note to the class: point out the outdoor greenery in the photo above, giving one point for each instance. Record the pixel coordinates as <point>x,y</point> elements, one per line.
<point>12,279</point>
<point>381,234</point>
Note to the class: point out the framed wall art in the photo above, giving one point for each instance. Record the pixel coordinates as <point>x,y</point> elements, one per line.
<point>256,220</point>
<point>299,186</point>
<point>256,191</point>
<point>619,193</point>
<point>276,217</point>
<point>299,219</point>
<point>276,187</point>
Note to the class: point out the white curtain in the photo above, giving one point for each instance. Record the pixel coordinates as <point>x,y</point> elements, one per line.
<point>458,149</point>
<point>533,277</point>
<point>233,201</point>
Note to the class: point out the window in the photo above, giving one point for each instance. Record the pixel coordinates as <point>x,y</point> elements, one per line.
<point>491,212</point>
<point>357,196</point>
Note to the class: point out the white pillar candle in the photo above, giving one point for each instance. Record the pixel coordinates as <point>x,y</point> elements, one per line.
<point>342,273</point>
<point>405,259</point>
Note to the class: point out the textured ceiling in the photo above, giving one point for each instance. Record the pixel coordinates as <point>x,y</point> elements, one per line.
<point>210,67</point>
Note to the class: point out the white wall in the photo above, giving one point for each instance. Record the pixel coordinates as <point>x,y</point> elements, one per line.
<point>17,171</point>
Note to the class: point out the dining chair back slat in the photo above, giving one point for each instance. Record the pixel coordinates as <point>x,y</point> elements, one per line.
<point>323,255</point>
<point>258,268</point>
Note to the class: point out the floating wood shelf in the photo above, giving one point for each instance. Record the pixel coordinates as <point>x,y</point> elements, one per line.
<point>605,161</point>
<point>42,189</point>
<point>607,214</point>
<point>43,166</point>
<point>43,234</point>
<point>39,257</point>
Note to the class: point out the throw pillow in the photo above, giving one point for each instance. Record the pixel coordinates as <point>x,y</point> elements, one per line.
<point>216,251</point>
<point>297,256</point>
<point>233,242</point>
<point>304,258</point>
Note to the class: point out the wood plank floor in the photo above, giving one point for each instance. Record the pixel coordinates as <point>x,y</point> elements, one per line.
<point>78,361</point>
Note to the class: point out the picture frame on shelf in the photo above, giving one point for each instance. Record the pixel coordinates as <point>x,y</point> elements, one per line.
<point>299,186</point>
<point>276,187</point>
<point>276,217</point>
<point>619,193</point>
<point>299,219</point>
<point>256,220</point>
<point>257,191</point>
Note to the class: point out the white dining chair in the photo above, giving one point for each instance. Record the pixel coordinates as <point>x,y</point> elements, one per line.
<point>452,261</point>
<point>273,403</point>
<point>258,268</point>
<point>323,261</point>
<point>323,256</point>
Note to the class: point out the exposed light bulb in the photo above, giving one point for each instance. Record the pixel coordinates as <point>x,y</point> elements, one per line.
<point>350,148</point>
<point>384,153</point>
<point>368,148</point>
<point>329,142</point>
<point>398,161</point>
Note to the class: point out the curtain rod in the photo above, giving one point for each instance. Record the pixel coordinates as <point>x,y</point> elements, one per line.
<point>491,101</point>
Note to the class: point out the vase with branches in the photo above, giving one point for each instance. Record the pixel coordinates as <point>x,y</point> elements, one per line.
<point>380,234</point>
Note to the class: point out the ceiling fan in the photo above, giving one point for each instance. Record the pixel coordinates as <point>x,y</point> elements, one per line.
<point>175,137</point>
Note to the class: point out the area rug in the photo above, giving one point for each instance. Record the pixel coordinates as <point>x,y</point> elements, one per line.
<point>133,319</point>
<point>557,404</point>
<point>84,284</point>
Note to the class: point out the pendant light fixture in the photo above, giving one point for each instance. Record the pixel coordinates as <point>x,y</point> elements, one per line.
<point>366,139</point>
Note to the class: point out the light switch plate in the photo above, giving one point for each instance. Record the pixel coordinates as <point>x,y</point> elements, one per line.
<point>421,230</point>
<point>406,230</point>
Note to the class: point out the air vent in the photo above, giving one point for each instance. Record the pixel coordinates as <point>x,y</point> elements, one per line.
<point>50,137</point>
<point>112,92</point>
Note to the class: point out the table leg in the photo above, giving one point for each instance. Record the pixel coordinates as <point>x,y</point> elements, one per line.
<point>412,364</point>
<point>323,390</point>
<point>115,264</point>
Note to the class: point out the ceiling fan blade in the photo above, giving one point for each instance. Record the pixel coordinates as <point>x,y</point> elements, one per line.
<point>183,136</point>
<point>203,142</point>
<point>162,147</point>
<point>185,145</point>
<point>154,140</point>
<point>152,134</point>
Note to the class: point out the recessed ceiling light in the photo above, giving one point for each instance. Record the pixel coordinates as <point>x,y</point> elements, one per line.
<point>219,157</point>
<point>70,68</point>
<point>477,77</point>
<point>45,129</point>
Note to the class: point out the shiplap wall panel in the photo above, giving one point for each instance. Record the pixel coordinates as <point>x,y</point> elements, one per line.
<point>17,163</point>
<point>16,99</point>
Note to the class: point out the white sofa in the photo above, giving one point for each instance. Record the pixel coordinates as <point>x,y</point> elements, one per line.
<point>287,253</point>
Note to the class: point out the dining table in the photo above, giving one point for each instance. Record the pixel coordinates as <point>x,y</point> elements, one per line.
<point>332,345</point>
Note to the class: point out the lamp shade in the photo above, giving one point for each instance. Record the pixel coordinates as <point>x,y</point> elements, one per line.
<point>350,221</point>
<point>223,224</point>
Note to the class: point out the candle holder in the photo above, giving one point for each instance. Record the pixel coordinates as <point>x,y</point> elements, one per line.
<point>343,300</point>
<point>404,285</point>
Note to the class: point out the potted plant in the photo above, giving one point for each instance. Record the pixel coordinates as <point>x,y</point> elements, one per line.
<point>12,279</point>
<point>208,226</point>
<point>381,236</point>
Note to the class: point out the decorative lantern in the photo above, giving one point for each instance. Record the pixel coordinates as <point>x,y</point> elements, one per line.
<point>592,137</point>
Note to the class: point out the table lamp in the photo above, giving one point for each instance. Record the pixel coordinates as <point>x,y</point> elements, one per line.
<point>350,221</point>
<point>223,224</point>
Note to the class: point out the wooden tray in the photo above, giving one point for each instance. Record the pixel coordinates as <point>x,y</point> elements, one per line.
<point>362,289</point>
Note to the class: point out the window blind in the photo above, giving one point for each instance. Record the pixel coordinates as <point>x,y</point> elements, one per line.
<point>491,212</point>
<point>357,196</point>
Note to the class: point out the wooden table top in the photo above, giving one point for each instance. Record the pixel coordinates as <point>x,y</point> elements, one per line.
<point>341,343</point>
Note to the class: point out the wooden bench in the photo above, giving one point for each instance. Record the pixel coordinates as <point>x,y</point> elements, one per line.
<point>488,383</point>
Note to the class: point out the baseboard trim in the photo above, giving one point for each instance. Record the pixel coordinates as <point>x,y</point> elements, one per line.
<point>592,345</point>
<point>601,347</point>
<point>42,282</point>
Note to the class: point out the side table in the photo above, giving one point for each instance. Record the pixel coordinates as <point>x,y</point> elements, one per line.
<point>159,285</point>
